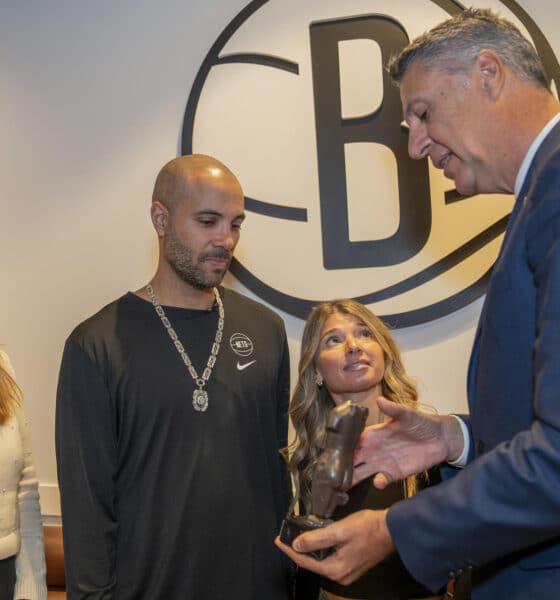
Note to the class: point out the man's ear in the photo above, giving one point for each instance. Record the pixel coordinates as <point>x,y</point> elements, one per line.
<point>490,69</point>
<point>160,217</point>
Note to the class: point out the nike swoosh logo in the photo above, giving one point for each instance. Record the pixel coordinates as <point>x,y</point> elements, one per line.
<point>241,367</point>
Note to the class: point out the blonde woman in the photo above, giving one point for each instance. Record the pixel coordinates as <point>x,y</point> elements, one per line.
<point>22,560</point>
<point>347,353</point>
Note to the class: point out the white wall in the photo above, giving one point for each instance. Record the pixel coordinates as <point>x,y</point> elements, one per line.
<point>92,96</point>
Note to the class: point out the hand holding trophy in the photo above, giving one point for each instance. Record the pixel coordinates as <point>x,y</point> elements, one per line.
<point>332,475</point>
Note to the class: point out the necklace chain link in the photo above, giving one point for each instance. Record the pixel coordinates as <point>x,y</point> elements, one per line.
<point>200,395</point>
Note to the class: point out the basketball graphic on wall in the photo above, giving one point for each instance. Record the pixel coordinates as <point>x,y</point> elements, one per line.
<point>294,98</point>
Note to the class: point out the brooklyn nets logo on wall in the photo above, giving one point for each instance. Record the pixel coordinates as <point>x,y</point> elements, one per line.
<point>293,96</point>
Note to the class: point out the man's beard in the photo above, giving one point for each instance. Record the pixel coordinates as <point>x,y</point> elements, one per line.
<point>181,260</point>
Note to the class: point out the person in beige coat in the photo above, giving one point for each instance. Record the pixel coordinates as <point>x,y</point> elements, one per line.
<point>22,559</point>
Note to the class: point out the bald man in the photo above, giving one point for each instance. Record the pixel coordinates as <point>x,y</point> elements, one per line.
<point>171,408</point>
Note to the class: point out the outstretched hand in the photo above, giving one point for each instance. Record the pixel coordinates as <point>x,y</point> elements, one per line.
<point>360,540</point>
<point>408,443</point>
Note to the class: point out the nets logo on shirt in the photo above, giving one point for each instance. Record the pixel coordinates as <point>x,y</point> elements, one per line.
<point>241,344</point>
<point>294,97</point>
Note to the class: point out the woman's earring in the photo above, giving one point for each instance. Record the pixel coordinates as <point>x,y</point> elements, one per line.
<point>319,380</point>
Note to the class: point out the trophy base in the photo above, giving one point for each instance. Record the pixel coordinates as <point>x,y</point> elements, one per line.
<point>293,525</point>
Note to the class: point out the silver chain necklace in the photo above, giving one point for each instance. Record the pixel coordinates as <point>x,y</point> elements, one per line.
<point>200,395</point>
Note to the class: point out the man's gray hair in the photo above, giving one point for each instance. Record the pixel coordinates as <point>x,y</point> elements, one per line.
<point>453,45</point>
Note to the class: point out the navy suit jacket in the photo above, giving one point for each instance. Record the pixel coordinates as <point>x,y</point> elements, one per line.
<point>500,515</point>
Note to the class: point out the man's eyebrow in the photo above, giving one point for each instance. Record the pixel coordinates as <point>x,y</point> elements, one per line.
<point>210,212</point>
<point>409,109</point>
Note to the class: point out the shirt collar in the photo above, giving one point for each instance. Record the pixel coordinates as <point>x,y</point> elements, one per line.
<point>522,173</point>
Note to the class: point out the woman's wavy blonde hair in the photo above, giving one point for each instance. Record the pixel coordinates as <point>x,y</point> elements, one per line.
<point>9,394</point>
<point>310,404</point>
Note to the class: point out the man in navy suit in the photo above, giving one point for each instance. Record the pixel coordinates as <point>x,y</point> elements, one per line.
<point>477,102</point>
